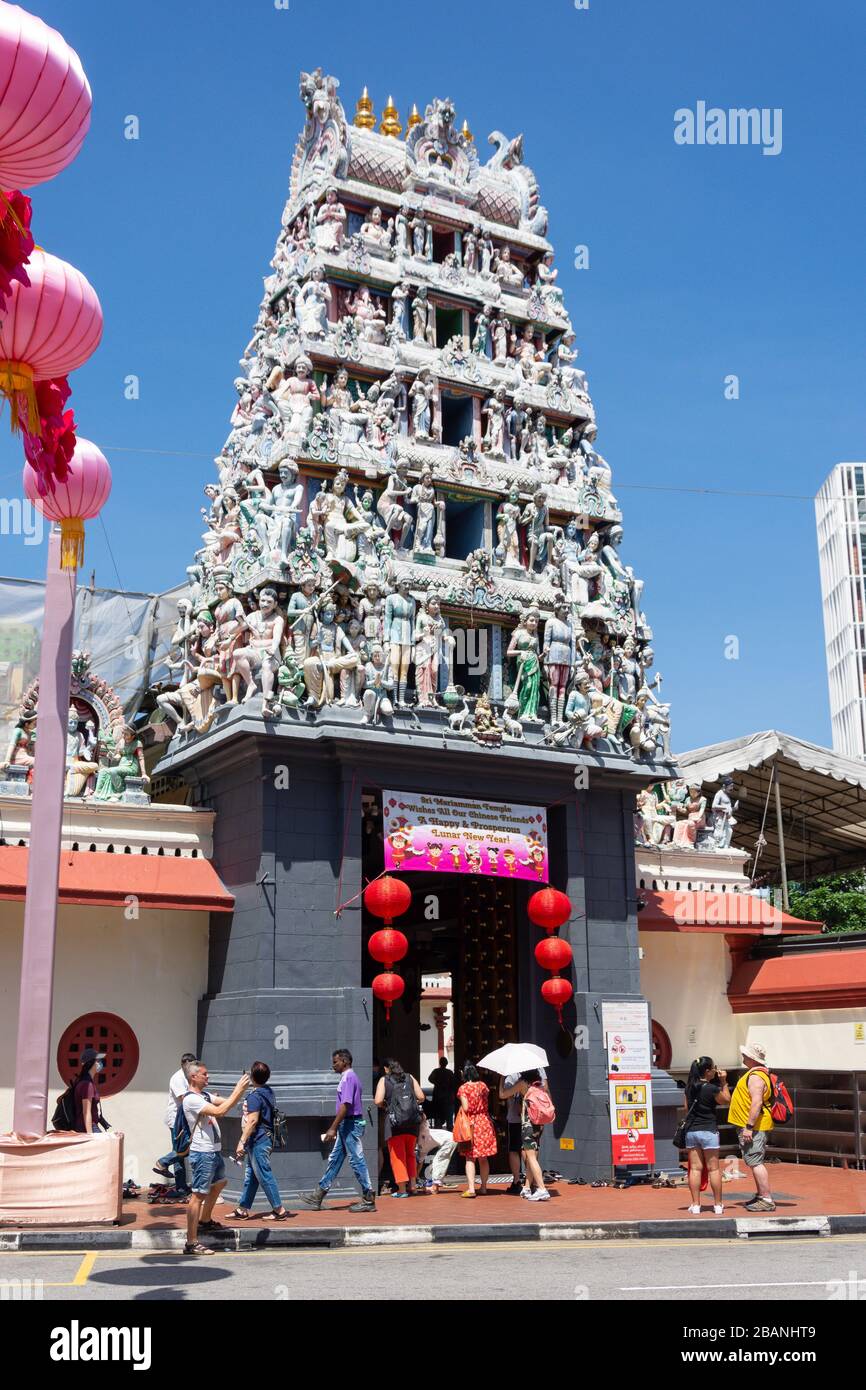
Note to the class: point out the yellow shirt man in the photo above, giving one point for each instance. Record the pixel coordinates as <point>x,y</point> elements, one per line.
<point>741,1102</point>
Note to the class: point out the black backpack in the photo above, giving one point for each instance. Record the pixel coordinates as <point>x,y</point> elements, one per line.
<point>273,1120</point>
<point>64,1111</point>
<point>403,1114</point>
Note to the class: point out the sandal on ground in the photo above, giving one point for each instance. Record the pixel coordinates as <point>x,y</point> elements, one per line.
<point>212,1226</point>
<point>468,1194</point>
<point>197,1249</point>
<point>279,1215</point>
<point>242,1215</point>
<point>599,1182</point>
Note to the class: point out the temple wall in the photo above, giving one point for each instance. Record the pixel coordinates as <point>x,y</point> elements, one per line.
<point>151,972</point>
<point>685,977</point>
<point>812,1039</point>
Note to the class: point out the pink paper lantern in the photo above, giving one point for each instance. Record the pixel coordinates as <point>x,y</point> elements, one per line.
<point>51,326</point>
<point>46,101</point>
<point>81,496</point>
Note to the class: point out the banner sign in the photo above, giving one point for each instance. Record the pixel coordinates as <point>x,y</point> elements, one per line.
<point>454,835</point>
<point>629,1074</point>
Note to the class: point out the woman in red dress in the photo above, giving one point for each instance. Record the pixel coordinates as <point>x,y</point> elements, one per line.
<point>473,1097</point>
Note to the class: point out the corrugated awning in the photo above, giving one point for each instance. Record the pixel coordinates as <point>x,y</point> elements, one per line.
<point>817,980</point>
<point>822,793</point>
<point>109,880</point>
<point>697,911</point>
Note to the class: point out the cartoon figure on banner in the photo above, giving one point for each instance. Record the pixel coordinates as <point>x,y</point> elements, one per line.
<point>493,857</point>
<point>400,840</point>
<point>434,855</point>
<point>509,859</point>
<point>456,856</point>
<point>535,854</point>
<point>473,859</point>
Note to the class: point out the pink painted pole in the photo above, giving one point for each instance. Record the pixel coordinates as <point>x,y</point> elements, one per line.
<point>32,1058</point>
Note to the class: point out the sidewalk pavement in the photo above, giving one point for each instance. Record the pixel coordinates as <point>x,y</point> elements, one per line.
<point>830,1201</point>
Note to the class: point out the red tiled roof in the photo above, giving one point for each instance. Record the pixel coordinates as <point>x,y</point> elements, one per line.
<point>832,979</point>
<point>693,910</point>
<point>108,880</point>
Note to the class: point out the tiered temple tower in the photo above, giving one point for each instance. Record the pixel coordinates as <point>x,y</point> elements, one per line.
<point>411,579</point>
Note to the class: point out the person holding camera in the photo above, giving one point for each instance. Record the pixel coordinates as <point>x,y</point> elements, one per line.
<point>707,1084</point>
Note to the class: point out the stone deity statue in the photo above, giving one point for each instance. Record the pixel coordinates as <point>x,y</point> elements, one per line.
<point>558,654</point>
<point>433,644</point>
<point>399,629</point>
<point>259,658</point>
<point>523,647</point>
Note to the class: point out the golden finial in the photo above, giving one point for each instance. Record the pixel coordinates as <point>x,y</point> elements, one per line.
<point>467,133</point>
<point>390,120</point>
<point>415,118</point>
<point>365,116</point>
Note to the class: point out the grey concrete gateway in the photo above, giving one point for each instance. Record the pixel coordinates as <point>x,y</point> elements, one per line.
<point>286,975</point>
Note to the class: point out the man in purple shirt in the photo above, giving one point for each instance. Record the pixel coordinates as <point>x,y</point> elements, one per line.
<point>346,1133</point>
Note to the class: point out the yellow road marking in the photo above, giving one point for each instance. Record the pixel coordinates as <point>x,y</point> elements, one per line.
<point>83,1272</point>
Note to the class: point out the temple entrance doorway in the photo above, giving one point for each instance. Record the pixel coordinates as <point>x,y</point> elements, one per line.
<point>460,972</point>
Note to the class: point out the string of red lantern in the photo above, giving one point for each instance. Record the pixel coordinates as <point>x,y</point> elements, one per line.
<point>388,897</point>
<point>549,909</point>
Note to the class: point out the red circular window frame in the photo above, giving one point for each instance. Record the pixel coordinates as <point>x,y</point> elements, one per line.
<point>108,1033</point>
<point>662,1050</point>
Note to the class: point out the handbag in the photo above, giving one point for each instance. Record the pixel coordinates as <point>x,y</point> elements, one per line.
<point>462,1132</point>
<point>682,1129</point>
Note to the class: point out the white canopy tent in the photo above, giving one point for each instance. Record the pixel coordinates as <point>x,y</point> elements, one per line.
<point>802,808</point>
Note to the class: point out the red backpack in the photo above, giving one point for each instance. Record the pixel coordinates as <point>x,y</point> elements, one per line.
<point>781,1104</point>
<point>539,1106</point>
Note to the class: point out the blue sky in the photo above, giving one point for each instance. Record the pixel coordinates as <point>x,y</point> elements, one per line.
<point>704,262</point>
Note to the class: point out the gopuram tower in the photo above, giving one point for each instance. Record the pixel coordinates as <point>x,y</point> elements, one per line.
<point>411,586</point>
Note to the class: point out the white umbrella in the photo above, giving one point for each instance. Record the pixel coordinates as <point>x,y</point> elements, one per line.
<point>514,1057</point>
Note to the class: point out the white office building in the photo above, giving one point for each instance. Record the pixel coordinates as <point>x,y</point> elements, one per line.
<point>840,513</point>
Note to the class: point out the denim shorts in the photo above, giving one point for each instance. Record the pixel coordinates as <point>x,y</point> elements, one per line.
<point>702,1139</point>
<point>207,1168</point>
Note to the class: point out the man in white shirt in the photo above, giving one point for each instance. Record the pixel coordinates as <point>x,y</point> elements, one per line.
<point>206,1160</point>
<point>172,1162</point>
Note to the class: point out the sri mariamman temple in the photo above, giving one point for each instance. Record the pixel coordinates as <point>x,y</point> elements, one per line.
<point>411,584</point>
<point>411,642</point>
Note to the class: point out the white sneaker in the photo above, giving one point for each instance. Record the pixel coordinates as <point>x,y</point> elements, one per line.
<point>694,1211</point>
<point>540,1194</point>
<point>526,1191</point>
<point>718,1209</point>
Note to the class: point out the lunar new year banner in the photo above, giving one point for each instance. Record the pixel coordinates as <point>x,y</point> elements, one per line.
<point>456,836</point>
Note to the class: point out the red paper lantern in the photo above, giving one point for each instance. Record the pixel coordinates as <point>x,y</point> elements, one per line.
<point>549,909</point>
<point>387,988</point>
<point>557,993</point>
<point>554,954</point>
<point>387,898</point>
<point>388,946</point>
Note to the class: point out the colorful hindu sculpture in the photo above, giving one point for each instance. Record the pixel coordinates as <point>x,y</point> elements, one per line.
<point>97,736</point>
<point>410,472</point>
<point>675,814</point>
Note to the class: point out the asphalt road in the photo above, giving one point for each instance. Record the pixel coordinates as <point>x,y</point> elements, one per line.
<point>781,1268</point>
